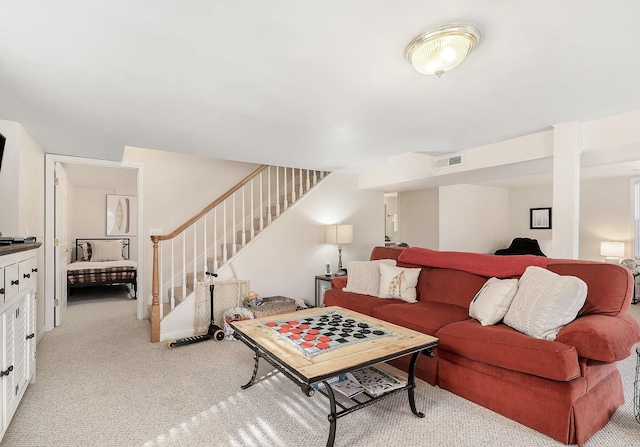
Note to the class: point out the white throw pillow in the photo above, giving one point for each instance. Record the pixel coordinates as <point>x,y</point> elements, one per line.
<point>364,276</point>
<point>545,303</point>
<point>492,302</point>
<point>398,282</point>
<point>106,251</point>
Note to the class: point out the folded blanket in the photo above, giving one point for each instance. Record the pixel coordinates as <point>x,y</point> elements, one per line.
<point>477,263</point>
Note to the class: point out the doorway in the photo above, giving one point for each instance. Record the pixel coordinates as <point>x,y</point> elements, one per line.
<point>83,216</point>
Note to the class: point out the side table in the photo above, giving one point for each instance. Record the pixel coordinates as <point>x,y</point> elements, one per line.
<point>323,283</point>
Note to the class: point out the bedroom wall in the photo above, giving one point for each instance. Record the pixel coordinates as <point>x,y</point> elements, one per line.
<point>87,217</point>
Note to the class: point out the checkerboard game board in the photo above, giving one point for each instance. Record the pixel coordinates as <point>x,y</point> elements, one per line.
<point>325,332</point>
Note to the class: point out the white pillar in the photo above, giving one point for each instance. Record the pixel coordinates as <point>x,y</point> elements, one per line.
<point>566,190</point>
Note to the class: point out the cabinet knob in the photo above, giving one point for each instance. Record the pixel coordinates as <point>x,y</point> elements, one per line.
<point>2,291</point>
<point>27,275</point>
<point>15,283</point>
<point>30,336</point>
<point>7,372</point>
<point>34,270</point>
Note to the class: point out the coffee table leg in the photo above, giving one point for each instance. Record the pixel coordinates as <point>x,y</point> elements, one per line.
<point>256,357</point>
<point>412,384</point>
<point>332,416</point>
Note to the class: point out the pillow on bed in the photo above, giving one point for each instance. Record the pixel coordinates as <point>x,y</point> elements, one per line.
<point>102,251</point>
<point>86,251</point>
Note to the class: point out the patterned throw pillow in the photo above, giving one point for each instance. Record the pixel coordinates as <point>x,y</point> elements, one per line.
<point>364,276</point>
<point>398,282</point>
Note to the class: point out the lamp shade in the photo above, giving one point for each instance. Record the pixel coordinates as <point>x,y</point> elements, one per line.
<point>441,49</point>
<point>612,249</point>
<point>339,234</point>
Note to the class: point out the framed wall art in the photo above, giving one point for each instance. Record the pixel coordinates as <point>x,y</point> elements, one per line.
<point>540,218</point>
<point>122,215</point>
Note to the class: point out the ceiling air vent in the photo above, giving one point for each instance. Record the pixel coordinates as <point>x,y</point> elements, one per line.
<point>449,161</point>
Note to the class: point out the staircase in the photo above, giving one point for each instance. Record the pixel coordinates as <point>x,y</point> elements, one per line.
<point>210,240</point>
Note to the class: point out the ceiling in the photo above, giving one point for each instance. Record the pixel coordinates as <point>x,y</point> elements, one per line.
<point>320,85</point>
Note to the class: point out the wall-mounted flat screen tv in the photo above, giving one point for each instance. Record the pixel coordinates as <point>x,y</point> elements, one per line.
<point>2,140</point>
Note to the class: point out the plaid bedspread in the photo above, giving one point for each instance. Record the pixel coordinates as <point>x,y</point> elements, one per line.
<point>125,274</point>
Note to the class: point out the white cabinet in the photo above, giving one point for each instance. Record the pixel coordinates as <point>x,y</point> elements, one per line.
<point>18,294</point>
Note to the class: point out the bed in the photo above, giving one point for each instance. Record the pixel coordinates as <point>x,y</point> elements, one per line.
<point>102,262</point>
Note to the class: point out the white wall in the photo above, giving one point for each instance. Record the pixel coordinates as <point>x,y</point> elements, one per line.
<point>175,188</point>
<point>418,218</point>
<point>473,218</point>
<point>521,200</point>
<point>87,215</point>
<point>9,179</point>
<point>22,198</point>
<point>286,258</point>
<point>605,215</point>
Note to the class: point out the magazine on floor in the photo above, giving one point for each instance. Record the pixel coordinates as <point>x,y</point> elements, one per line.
<point>375,381</point>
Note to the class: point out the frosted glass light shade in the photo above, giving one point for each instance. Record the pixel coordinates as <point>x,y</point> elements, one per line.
<point>441,49</point>
<point>339,234</point>
<point>612,249</point>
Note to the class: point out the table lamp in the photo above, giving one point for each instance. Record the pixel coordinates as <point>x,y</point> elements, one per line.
<point>612,251</point>
<point>339,234</point>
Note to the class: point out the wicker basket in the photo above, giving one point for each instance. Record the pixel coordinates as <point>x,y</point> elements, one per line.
<point>272,305</point>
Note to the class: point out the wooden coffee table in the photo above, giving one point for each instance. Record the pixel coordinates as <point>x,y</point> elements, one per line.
<point>307,370</point>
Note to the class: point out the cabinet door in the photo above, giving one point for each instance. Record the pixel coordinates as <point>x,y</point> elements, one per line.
<point>9,396</point>
<point>20,345</point>
<point>31,335</point>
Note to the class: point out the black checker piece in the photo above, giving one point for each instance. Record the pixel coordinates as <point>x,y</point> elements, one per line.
<point>359,335</point>
<point>341,340</point>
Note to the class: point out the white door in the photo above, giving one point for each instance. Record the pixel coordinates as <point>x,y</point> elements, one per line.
<point>60,245</point>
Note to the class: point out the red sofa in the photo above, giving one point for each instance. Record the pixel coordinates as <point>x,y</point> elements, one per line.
<point>567,388</point>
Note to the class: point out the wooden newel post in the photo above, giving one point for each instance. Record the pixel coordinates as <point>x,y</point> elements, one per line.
<point>155,289</point>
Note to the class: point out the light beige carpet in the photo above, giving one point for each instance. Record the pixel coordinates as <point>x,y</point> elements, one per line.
<point>100,382</point>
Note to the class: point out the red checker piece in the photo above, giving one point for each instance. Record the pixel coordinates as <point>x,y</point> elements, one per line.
<point>313,332</point>
<point>271,324</point>
<point>324,338</point>
<point>309,337</point>
<point>306,344</point>
<point>295,336</point>
<point>303,326</point>
<point>293,323</point>
<point>284,329</point>
<point>322,345</point>
<point>295,331</point>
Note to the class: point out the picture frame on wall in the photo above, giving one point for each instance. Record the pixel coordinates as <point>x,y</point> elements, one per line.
<point>122,215</point>
<point>540,218</point>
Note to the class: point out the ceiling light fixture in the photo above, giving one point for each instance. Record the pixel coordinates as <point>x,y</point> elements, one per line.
<point>441,49</point>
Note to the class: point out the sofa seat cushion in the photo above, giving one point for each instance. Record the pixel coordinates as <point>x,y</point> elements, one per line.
<point>355,301</point>
<point>507,348</point>
<point>425,317</point>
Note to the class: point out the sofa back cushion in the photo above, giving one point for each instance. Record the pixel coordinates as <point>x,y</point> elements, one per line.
<point>609,286</point>
<point>448,286</point>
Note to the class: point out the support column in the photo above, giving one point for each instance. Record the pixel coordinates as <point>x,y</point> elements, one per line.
<point>566,190</point>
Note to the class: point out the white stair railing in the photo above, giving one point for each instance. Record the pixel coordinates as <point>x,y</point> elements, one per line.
<point>210,239</point>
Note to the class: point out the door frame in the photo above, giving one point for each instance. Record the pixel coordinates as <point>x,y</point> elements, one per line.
<point>49,251</point>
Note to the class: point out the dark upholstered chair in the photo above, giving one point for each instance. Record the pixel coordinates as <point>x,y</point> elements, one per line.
<point>521,246</point>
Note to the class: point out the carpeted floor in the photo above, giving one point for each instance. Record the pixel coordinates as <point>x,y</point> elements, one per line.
<point>100,382</point>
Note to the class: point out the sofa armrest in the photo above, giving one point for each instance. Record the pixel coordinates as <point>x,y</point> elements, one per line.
<point>602,337</point>
<point>339,282</point>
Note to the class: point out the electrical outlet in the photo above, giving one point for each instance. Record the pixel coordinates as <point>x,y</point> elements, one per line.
<point>155,232</point>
